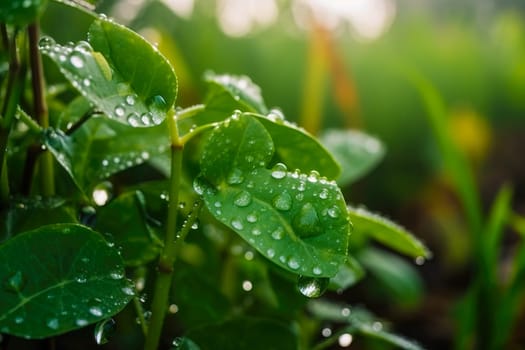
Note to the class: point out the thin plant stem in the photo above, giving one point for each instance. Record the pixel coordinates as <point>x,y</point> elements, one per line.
<point>28,121</point>
<point>140,314</point>
<point>190,111</point>
<point>41,113</point>
<point>168,254</point>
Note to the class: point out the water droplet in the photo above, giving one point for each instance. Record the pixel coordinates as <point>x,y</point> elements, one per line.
<point>270,253</point>
<point>252,218</point>
<point>144,155</point>
<point>278,233</point>
<point>293,263</point>
<point>334,212</point>
<point>243,199</point>
<point>345,312</point>
<point>247,286</point>
<point>313,176</point>
<point>76,60</point>
<point>15,283</point>
<point>102,193</point>
<point>306,222</point>
<point>201,185</point>
<point>317,270</point>
<point>46,42</point>
<point>104,330</point>
<point>345,340</point>
<point>419,260</point>
<point>119,111</point>
<point>86,82</point>
<point>377,326</point>
<point>173,309</point>
<point>81,278</point>
<point>128,290</point>
<point>323,194</point>
<point>81,322</point>
<point>134,119</point>
<point>130,100</point>
<point>146,118</point>
<point>256,232</point>
<point>235,177</point>
<point>52,323</point>
<point>312,287</point>
<point>276,115</point>
<point>301,187</point>
<point>116,275</point>
<point>282,201</point>
<point>279,171</point>
<point>237,224</point>
<point>95,311</point>
<point>19,319</point>
<point>326,332</point>
<point>83,46</point>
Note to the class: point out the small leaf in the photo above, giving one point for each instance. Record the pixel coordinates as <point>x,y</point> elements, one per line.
<point>119,72</point>
<point>357,152</point>
<point>21,12</point>
<point>388,233</point>
<point>296,220</point>
<point>229,92</point>
<point>298,149</point>
<point>58,278</point>
<point>245,333</point>
<point>130,232</point>
<point>100,148</point>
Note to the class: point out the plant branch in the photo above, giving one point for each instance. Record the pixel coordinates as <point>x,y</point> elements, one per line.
<point>81,121</point>
<point>189,112</point>
<point>40,105</point>
<point>168,254</point>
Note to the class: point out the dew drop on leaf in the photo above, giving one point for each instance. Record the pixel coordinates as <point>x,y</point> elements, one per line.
<point>46,42</point>
<point>76,61</point>
<point>95,311</point>
<point>313,176</point>
<point>278,233</point>
<point>333,212</point>
<point>130,100</point>
<point>81,322</point>
<point>52,323</point>
<point>252,218</point>
<point>242,199</point>
<point>119,111</point>
<point>312,287</point>
<point>279,171</point>
<point>102,193</point>
<point>15,283</point>
<point>306,222</point>
<point>103,330</point>
<point>293,263</point>
<point>282,201</point>
<point>201,185</point>
<point>128,290</point>
<point>134,119</point>
<point>237,224</point>
<point>235,177</point>
<point>270,253</point>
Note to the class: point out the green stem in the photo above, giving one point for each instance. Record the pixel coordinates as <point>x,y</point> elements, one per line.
<point>28,121</point>
<point>15,82</point>
<point>41,113</point>
<point>168,254</point>
<point>140,314</point>
<point>190,111</point>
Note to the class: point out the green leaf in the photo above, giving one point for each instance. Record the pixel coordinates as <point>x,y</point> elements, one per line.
<point>356,151</point>
<point>245,333</point>
<point>387,232</point>
<point>229,92</point>
<point>298,221</point>
<point>298,149</point>
<point>21,12</point>
<point>101,148</point>
<point>25,214</point>
<point>58,278</point>
<point>131,231</point>
<point>348,275</point>
<point>393,278</point>
<point>184,343</point>
<point>119,72</point>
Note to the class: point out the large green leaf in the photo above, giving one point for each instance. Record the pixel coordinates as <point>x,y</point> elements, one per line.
<point>119,72</point>
<point>388,233</point>
<point>21,12</point>
<point>296,220</point>
<point>101,148</point>
<point>245,333</point>
<point>131,232</point>
<point>58,278</point>
<point>357,152</point>
<point>298,149</point>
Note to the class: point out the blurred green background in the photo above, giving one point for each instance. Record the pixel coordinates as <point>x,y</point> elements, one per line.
<point>347,64</point>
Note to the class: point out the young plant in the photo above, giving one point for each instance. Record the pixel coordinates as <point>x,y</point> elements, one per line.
<point>216,211</point>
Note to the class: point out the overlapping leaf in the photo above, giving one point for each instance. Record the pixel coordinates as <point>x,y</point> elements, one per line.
<point>119,72</point>
<point>101,148</point>
<point>296,220</point>
<point>387,232</point>
<point>58,278</point>
<point>356,152</point>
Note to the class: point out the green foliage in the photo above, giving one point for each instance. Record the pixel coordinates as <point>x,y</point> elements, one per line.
<point>245,221</point>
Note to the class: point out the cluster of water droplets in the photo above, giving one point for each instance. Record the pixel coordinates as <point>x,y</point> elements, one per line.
<point>239,85</point>
<point>119,162</point>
